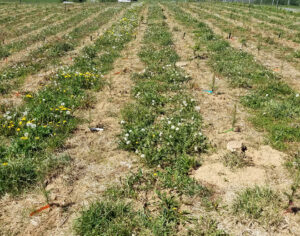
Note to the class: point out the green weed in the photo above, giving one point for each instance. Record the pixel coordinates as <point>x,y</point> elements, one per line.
<point>260,204</point>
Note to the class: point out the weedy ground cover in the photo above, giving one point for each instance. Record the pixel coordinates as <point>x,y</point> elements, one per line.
<point>68,21</point>
<point>256,21</point>
<point>51,52</point>
<point>31,133</point>
<point>274,104</point>
<point>260,204</point>
<point>163,128</point>
<point>270,12</point>
<point>266,42</point>
<point>22,18</point>
<point>15,15</point>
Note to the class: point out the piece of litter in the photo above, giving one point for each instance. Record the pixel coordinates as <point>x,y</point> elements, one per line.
<point>40,209</point>
<point>117,73</point>
<point>208,91</point>
<point>96,129</point>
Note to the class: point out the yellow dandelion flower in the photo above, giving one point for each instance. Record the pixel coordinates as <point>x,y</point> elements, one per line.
<point>155,174</point>
<point>18,129</point>
<point>28,95</point>
<point>24,138</point>
<point>37,138</point>
<point>5,164</point>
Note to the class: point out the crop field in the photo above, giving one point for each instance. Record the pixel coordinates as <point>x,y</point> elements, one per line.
<point>149,118</point>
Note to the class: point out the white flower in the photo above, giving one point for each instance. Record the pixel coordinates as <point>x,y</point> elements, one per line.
<point>267,95</point>
<point>172,127</point>
<point>8,117</point>
<point>25,113</point>
<point>128,142</point>
<point>126,135</point>
<point>26,134</point>
<point>196,148</point>
<point>68,112</point>
<point>62,104</point>
<point>297,95</point>
<point>200,134</point>
<point>197,108</point>
<point>143,156</point>
<point>122,122</point>
<point>169,122</point>
<point>136,151</point>
<point>130,131</point>
<point>7,113</point>
<point>160,134</point>
<point>177,128</point>
<point>143,130</point>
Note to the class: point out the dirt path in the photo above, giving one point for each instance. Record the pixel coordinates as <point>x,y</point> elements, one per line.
<point>289,73</point>
<point>32,83</point>
<point>216,109</point>
<point>97,161</point>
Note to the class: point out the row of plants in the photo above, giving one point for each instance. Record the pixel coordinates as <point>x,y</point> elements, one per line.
<point>15,17</point>
<point>259,204</point>
<point>262,24</point>
<point>18,15</point>
<point>163,128</point>
<point>269,12</point>
<point>53,15</point>
<point>287,21</point>
<point>31,133</point>
<point>263,42</point>
<point>275,106</point>
<point>71,20</point>
<point>51,52</point>
<point>42,20</point>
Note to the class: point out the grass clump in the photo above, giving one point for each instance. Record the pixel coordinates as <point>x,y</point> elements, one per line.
<point>260,204</point>
<point>107,218</point>
<point>4,52</point>
<point>207,227</point>
<point>235,160</point>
